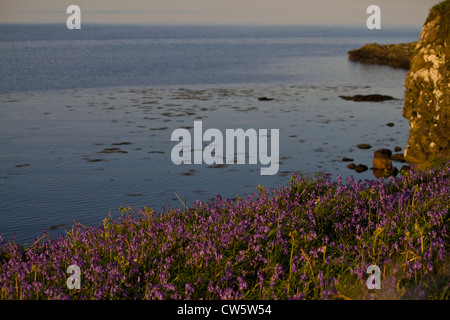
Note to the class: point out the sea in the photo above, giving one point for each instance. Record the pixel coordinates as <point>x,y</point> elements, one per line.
<point>87,116</point>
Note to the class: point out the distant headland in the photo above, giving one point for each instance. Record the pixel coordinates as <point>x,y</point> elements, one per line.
<point>394,55</point>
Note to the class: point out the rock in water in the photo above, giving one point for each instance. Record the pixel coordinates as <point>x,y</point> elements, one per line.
<point>364,146</point>
<point>368,97</point>
<point>427,96</point>
<point>361,168</point>
<point>382,159</point>
<point>351,166</point>
<point>264,99</point>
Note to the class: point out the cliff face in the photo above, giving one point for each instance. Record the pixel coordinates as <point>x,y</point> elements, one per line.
<point>427,96</point>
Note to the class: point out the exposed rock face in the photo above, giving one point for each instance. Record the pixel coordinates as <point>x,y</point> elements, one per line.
<point>427,96</point>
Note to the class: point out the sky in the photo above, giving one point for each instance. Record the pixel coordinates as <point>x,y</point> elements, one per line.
<point>265,12</point>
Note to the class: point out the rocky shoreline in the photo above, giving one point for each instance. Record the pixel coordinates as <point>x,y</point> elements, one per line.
<point>394,55</point>
<point>382,162</point>
<point>427,103</point>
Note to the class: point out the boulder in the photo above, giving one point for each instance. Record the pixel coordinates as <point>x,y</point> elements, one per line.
<point>361,168</point>
<point>364,146</point>
<point>382,159</point>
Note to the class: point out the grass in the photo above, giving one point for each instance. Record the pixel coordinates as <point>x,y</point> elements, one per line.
<point>312,239</point>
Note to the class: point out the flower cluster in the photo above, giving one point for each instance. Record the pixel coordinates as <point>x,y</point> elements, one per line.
<point>312,239</point>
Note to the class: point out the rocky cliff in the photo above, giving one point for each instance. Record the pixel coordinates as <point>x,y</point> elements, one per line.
<point>427,95</point>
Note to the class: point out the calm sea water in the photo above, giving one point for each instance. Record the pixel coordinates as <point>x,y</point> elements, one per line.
<point>68,97</point>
